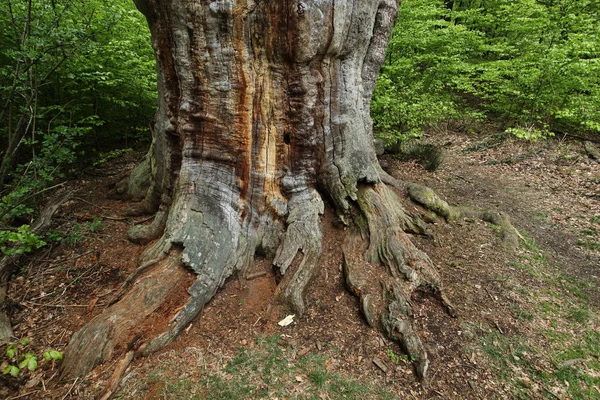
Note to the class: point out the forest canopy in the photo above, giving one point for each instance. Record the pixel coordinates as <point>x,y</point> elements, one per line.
<point>532,66</point>
<point>77,81</point>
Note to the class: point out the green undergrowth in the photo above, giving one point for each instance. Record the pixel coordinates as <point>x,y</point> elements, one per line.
<point>555,352</point>
<point>265,371</point>
<point>428,155</point>
<point>590,237</point>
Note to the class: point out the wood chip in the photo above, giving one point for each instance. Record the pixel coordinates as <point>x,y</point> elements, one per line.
<point>380,365</point>
<point>92,303</point>
<point>255,275</point>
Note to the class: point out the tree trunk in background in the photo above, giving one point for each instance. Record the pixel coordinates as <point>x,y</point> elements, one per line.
<point>264,113</point>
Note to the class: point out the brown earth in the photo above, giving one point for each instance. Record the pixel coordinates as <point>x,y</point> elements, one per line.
<point>550,189</point>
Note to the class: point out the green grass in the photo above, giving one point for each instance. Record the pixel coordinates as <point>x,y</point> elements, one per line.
<point>515,360</point>
<point>266,371</point>
<point>560,355</point>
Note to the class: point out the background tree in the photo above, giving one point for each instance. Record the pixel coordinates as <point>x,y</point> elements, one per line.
<point>68,83</point>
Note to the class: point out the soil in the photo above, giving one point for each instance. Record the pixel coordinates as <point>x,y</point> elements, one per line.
<point>550,189</point>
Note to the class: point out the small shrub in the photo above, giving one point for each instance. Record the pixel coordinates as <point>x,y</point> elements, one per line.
<point>110,155</point>
<point>428,155</point>
<point>20,358</point>
<point>20,241</point>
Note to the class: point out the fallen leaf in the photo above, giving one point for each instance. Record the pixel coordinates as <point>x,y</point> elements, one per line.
<point>287,320</point>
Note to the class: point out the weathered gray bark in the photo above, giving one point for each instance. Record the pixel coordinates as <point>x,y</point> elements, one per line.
<point>264,110</point>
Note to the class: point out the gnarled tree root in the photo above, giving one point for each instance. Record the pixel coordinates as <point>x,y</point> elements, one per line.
<point>431,201</point>
<point>383,268</point>
<point>161,298</point>
<point>148,308</point>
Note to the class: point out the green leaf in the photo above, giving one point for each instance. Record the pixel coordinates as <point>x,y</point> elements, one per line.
<point>12,370</point>
<point>12,350</point>
<point>32,364</point>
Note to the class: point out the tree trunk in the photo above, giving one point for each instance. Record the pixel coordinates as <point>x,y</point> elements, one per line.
<point>263,114</point>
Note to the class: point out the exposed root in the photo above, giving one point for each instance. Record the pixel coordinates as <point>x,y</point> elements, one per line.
<point>303,234</point>
<point>383,301</point>
<point>431,201</point>
<point>117,376</point>
<point>144,234</point>
<point>385,272</point>
<point>138,316</point>
<point>592,150</point>
<point>382,267</point>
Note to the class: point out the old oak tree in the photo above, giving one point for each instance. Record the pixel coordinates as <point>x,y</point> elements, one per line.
<point>263,121</point>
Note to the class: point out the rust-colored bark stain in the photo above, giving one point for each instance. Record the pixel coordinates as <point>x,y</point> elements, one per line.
<point>253,89</point>
<point>244,100</point>
<point>241,100</point>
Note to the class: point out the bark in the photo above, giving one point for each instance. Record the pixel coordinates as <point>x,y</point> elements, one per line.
<point>263,118</point>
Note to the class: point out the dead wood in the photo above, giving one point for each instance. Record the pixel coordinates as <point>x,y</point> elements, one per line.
<point>117,376</point>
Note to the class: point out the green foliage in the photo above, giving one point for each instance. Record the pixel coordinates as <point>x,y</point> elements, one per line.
<point>532,65</point>
<point>50,355</point>
<point>20,241</point>
<point>20,358</point>
<point>75,75</point>
<point>393,356</point>
<point>89,64</point>
<point>110,155</point>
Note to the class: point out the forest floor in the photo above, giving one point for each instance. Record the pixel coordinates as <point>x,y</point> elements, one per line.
<point>527,326</point>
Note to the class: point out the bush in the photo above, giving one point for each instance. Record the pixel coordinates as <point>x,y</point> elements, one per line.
<point>533,66</point>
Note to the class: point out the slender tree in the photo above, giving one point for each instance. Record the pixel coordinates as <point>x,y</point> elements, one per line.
<point>263,121</point>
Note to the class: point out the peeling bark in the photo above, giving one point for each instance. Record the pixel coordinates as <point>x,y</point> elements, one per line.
<point>263,118</point>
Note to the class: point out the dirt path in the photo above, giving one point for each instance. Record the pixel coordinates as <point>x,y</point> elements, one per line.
<point>527,324</point>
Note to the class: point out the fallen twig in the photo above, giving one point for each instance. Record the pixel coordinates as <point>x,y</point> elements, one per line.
<point>23,395</point>
<point>71,388</point>
<point>54,305</point>
<point>143,220</point>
